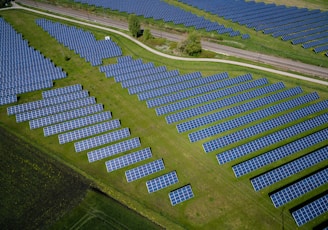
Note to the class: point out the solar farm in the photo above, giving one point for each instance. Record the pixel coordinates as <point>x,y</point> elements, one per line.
<point>188,145</point>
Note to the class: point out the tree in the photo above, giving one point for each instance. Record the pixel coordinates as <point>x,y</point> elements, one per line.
<point>134,25</point>
<point>191,45</point>
<point>147,35</point>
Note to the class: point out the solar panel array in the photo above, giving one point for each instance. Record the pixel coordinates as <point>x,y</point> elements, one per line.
<point>289,169</point>
<point>311,210</point>
<point>161,10</point>
<point>81,42</point>
<point>23,69</point>
<point>144,170</point>
<point>298,25</point>
<point>162,181</point>
<point>181,194</point>
<point>299,188</point>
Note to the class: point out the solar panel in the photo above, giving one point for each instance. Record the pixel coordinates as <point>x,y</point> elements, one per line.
<point>299,188</point>
<point>8,99</point>
<point>62,90</point>
<point>311,210</point>
<point>113,149</point>
<point>282,151</point>
<point>180,195</point>
<point>128,159</point>
<point>65,116</point>
<point>77,123</point>
<point>161,182</point>
<point>101,140</point>
<point>88,131</point>
<point>260,127</point>
<point>144,170</point>
<point>270,139</point>
<point>289,169</point>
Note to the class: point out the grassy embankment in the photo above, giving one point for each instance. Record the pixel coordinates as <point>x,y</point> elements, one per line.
<point>221,200</point>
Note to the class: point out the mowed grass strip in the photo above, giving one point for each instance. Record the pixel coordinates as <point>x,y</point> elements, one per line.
<point>220,199</point>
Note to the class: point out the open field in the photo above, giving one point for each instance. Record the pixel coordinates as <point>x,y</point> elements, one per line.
<point>220,200</point>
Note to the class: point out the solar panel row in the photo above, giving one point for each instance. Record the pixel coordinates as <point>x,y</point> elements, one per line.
<point>205,108</point>
<point>120,65</point>
<point>162,181</point>
<point>311,210</point>
<point>113,149</point>
<point>42,112</point>
<point>64,116</point>
<point>299,188</point>
<point>283,151</point>
<point>61,91</point>
<point>26,88</point>
<point>77,123</point>
<point>239,108</point>
<point>187,93</point>
<point>251,117</point>
<point>270,139</point>
<point>88,131</point>
<point>289,169</point>
<point>260,127</point>
<point>181,194</point>
<point>130,68</point>
<point>132,75</point>
<point>101,139</point>
<point>162,83</point>
<point>210,92</point>
<point>128,159</point>
<point>12,110</point>
<point>144,170</point>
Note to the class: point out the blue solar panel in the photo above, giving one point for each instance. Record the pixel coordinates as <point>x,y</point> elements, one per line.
<point>137,74</point>
<point>299,188</point>
<point>270,139</point>
<point>283,151</point>
<point>8,99</point>
<point>240,108</point>
<point>181,194</point>
<point>113,149</point>
<point>251,117</point>
<point>289,169</point>
<point>161,182</point>
<point>144,170</point>
<point>77,123</point>
<point>311,210</point>
<point>62,90</point>
<point>260,127</point>
<point>88,131</point>
<point>221,103</point>
<point>101,140</point>
<point>65,116</point>
<point>130,68</point>
<point>42,112</point>
<point>119,65</point>
<point>128,159</point>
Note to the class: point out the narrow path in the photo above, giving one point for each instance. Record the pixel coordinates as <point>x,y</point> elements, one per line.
<point>297,76</point>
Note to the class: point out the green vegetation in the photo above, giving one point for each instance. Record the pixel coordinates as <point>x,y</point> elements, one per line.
<point>134,25</point>
<point>221,201</point>
<point>191,45</point>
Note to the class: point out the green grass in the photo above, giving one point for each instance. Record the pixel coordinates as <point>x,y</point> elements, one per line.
<point>221,201</point>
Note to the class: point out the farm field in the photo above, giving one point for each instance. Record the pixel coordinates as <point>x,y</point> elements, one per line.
<point>220,198</point>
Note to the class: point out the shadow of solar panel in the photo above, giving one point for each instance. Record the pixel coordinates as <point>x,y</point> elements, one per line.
<point>101,140</point>
<point>260,127</point>
<point>251,117</point>
<point>62,90</point>
<point>180,195</point>
<point>128,159</point>
<point>144,170</point>
<point>113,149</point>
<point>161,182</point>
<point>12,110</point>
<point>65,116</point>
<point>270,139</point>
<point>289,169</point>
<point>88,131</point>
<point>311,210</point>
<point>213,117</point>
<point>299,188</point>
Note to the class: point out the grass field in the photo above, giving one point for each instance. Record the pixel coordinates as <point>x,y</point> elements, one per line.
<point>221,201</point>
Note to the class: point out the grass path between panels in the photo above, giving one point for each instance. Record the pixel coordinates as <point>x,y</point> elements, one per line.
<point>221,201</point>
